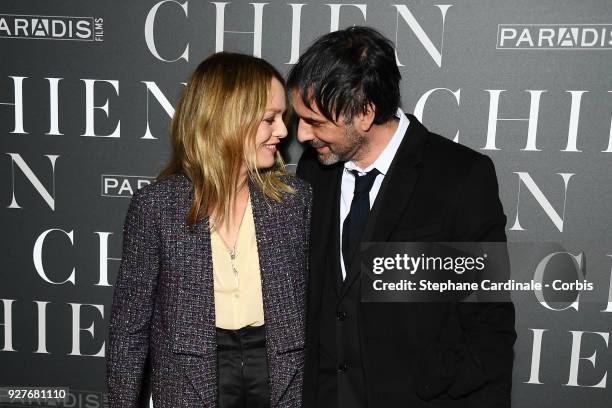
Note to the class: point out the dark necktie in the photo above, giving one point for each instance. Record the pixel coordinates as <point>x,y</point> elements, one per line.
<point>355,221</point>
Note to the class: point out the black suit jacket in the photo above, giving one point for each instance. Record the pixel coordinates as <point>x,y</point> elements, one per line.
<point>418,354</point>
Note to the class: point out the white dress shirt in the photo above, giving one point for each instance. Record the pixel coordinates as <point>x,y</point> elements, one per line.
<point>382,164</point>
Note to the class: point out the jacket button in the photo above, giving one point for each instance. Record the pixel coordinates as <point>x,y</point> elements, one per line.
<point>341,315</point>
<point>342,368</point>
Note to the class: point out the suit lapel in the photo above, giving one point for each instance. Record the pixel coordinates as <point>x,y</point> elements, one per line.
<point>394,194</point>
<point>334,236</point>
<point>325,245</point>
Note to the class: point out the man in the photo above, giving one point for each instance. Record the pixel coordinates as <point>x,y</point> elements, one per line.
<point>378,175</point>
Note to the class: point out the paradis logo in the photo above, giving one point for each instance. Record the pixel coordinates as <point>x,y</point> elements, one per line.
<point>554,36</point>
<point>51,27</point>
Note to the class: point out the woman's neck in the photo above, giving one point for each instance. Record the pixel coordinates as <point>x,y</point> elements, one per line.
<point>229,228</point>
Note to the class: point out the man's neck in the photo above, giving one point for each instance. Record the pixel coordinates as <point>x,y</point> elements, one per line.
<point>378,138</point>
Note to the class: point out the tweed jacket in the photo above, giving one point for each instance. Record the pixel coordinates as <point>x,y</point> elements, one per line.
<point>162,324</point>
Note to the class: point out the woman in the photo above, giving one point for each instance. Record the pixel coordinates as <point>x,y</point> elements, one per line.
<point>211,287</point>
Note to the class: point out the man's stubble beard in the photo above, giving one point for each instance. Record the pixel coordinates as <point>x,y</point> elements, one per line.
<point>352,150</point>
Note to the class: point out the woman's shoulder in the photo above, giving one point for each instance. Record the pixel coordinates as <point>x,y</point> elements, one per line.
<point>294,182</point>
<point>163,189</point>
<point>301,187</point>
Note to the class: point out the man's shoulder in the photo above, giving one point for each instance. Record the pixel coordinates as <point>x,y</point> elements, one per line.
<point>442,148</point>
<point>448,158</point>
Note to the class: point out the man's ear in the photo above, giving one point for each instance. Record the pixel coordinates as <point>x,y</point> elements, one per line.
<point>364,121</point>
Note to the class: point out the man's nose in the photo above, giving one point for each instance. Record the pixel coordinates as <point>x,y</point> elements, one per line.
<point>304,132</point>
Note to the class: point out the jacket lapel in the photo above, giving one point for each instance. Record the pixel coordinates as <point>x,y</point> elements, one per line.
<point>325,245</point>
<point>394,194</point>
<point>397,190</point>
<point>281,305</point>
<point>194,337</point>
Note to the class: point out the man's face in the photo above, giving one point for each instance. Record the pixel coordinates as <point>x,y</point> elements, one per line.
<point>333,142</point>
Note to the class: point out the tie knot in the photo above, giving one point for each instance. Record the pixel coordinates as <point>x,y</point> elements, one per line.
<point>364,183</point>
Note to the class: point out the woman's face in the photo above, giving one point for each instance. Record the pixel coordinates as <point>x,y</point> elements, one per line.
<point>272,128</point>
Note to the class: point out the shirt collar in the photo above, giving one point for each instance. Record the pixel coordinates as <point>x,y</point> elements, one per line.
<point>383,162</point>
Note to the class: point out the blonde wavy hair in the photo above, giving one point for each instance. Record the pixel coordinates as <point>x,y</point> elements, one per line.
<point>213,133</point>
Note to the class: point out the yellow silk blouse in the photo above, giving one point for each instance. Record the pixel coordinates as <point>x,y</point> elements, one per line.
<point>238,297</point>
